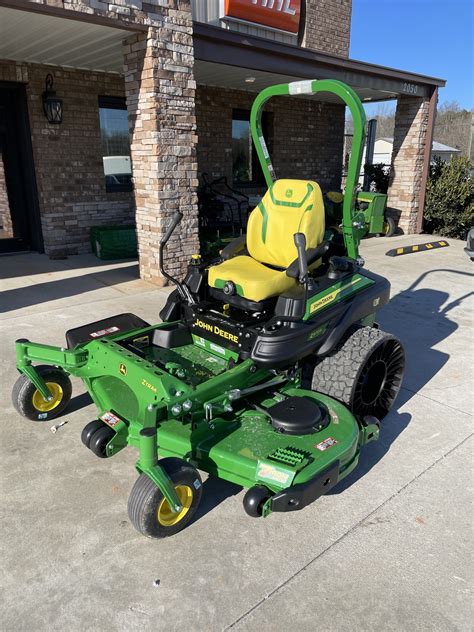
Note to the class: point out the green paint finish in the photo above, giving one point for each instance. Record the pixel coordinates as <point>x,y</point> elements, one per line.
<point>349,97</point>
<point>290,204</point>
<point>331,295</point>
<point>223,354</point>
<point>264,213</point>
<point>241,447</point>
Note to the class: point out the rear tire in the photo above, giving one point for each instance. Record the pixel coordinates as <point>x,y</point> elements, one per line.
<point>365,372</point>
<point>29,402</point>
<point>389,227</point>
<point>149,511</point>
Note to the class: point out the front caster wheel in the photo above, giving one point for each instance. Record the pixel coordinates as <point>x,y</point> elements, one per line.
<point>150,512</point>
<point>254,500</point>
<point>29,402</point>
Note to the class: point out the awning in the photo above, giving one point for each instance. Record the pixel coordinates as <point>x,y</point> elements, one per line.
<point>227,58</point>
<point>73,41</point>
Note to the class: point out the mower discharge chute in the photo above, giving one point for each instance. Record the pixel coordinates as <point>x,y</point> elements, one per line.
<point>268,369</point>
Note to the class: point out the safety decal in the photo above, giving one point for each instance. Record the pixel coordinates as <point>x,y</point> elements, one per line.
<point>326,444</point>
<point>406,250</point>
<point>272,473</point>
<point>104,332</point>
<point>110,419</point>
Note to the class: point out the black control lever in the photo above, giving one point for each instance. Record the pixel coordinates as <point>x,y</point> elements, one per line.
<point>338,266</point>
<point>177,217</point>
<point>300,243</point>
<point>181,287</point>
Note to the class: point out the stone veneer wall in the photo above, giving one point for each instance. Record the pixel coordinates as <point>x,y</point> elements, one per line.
<point>6,227</point>
<point>160,91</point>
<point>328,26</point>
<point>410,151</point>
<point>307,141</point>
<point>160,96</point>
<point>68,157</point>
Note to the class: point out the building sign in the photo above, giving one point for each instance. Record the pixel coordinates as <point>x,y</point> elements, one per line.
<point>278,14</point>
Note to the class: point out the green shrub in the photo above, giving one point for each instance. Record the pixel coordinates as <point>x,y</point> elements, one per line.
<point>449,206</point>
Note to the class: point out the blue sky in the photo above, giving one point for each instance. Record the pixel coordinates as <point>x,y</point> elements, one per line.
<point>431,37</point>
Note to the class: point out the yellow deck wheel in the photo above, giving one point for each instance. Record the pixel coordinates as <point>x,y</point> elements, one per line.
<point>42,404</point>
<point>166,516</point>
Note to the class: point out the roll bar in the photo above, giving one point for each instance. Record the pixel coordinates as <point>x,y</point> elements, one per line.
<point>351,223</point>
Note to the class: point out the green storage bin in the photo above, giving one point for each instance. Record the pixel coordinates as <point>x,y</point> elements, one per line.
<point>114,242</point>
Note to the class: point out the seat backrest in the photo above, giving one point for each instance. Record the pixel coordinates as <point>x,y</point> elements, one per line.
<point>288,207</point>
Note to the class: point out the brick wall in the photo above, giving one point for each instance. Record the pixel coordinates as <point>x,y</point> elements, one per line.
<point>68,157</point>
<point>328,26</point>
<point>6,227</point>
<point>307,135</point>
<point>411,149</point>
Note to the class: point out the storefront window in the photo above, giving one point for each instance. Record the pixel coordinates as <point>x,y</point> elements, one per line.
<point>245,165</point>
<point>115,144</point>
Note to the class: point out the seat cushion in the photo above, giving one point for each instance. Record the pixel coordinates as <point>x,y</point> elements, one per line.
<point>288,207</point>
<point>252,279</point>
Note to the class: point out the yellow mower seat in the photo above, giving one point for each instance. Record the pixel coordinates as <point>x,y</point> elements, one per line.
<point>288,207</point>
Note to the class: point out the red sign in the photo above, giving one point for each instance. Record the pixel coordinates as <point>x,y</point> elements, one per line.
<point>278,14</point>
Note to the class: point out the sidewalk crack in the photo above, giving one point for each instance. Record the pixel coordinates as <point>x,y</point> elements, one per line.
<point>344,535</point>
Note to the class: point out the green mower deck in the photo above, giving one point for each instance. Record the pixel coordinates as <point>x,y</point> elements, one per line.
<point>187,403</point>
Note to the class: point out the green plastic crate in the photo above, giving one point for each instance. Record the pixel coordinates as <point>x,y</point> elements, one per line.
<point>114,242</point>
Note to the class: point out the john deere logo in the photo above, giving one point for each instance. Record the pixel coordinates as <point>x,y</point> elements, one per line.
<point>289,193</point>
<point>123,369</point>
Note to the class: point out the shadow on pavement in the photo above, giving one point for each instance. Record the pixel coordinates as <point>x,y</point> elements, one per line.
<point>28,264</point>
<point>419,317</point>
<point>77,402</point>
<point>18,298</point>
<point>214,492</point>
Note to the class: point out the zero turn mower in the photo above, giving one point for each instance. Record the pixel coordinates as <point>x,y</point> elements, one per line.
<point>218,386</point>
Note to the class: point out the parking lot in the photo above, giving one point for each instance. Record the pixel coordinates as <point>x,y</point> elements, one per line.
<point>388,549</point>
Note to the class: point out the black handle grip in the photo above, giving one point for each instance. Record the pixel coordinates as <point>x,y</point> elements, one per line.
<point>300,243</point>
<point>177,217</point>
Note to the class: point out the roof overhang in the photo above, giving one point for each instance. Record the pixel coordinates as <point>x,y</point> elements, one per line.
<point>238,53</point>
<point>61,38</point>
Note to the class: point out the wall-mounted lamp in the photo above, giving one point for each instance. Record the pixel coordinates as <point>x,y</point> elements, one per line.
<point>52,106</point>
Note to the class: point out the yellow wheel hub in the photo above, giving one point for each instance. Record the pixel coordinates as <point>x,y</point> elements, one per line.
<point>166,516</point>
<point>42,404</point>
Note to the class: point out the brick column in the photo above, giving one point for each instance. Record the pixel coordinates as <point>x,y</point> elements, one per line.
<point>160,90</point>
<point>413,136</point>
<point>5,215</point>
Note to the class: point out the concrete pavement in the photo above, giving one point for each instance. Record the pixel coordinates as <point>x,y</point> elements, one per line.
<point>388,549</point>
